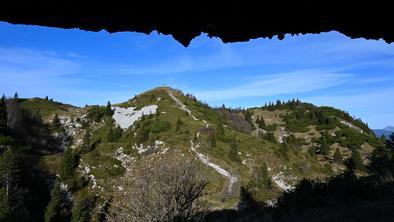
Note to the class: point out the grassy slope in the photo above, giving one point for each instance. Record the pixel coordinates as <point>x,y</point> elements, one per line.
<point>253,150</point>
<point>46,108</point>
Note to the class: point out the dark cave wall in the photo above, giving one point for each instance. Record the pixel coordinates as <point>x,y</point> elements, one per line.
<point>231,21</point>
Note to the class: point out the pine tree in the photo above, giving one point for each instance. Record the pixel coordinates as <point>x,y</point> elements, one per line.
<point>355,161</point>
<point>263,177</point>
<point>248,115</point>
<point>86,144</point>
<point>108,109</point>
<point>16,96</point>
<point>260,178</point>
<point>260,122</point>
<point>338,156</point>
<point>57,209</point>
<point>117,133</point>
<point>114,135</point>
<point>382,159</point>
<point>220,128</point>
<point>68,165</point>
<point>3,116</point>
<point>5,208</point>
<point>11,196</point>
<point>323,145</point>
<point>56,122</point>
<point>233,152</point>
<point>82,211</point>
<point>9,171</point>
<point>46,98</point>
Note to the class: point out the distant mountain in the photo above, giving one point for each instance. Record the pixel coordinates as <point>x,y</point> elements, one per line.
<point>387,131</point>
<point>389,128</point>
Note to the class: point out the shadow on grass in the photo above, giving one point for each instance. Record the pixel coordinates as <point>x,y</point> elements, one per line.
<point>341,198</point>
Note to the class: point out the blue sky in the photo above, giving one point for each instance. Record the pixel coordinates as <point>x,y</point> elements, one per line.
<point>80,67</point>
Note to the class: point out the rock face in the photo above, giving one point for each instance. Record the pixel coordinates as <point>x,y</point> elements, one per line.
<point>125,117</point>
<point>231,21</point>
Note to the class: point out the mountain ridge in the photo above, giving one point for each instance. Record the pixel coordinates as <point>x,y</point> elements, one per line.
<point>289,141</point>
<point>387,131</point>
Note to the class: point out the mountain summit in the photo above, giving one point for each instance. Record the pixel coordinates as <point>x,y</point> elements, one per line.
<point>267,150</point>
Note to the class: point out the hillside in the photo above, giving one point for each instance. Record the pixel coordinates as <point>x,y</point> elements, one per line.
<point>266,150</point>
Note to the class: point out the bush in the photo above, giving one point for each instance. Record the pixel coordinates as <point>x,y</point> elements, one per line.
<point>167,189</point>
<point>96,113</point>
<point>160,126</point>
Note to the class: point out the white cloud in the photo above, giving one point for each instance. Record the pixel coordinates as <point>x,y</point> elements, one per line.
<point>278,84</point>
<point>27,63</point>
<point>188,62</point>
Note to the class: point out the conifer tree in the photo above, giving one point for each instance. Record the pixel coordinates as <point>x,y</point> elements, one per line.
<point>5,208</point>
<point>220,128</point>
<point>9,171</point>
<point>263,177</point>
<point>382,159</point>
<point>68,165</point>
<point>11,196</point>
<point>114,135</point>
<point>260,122</point>
<point>248,115</point>
<point>57,209</point>
<point>86,142</point>
<point>3,116</point>
<point>56,122</point>
<point>323,145</point>
<point>233,152</point>
<point>82,211</point>
<point>108,109</point>
<point>117,133</point>
<point>355,161</point>
<point>16,96</point>
<point>338,156</point>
